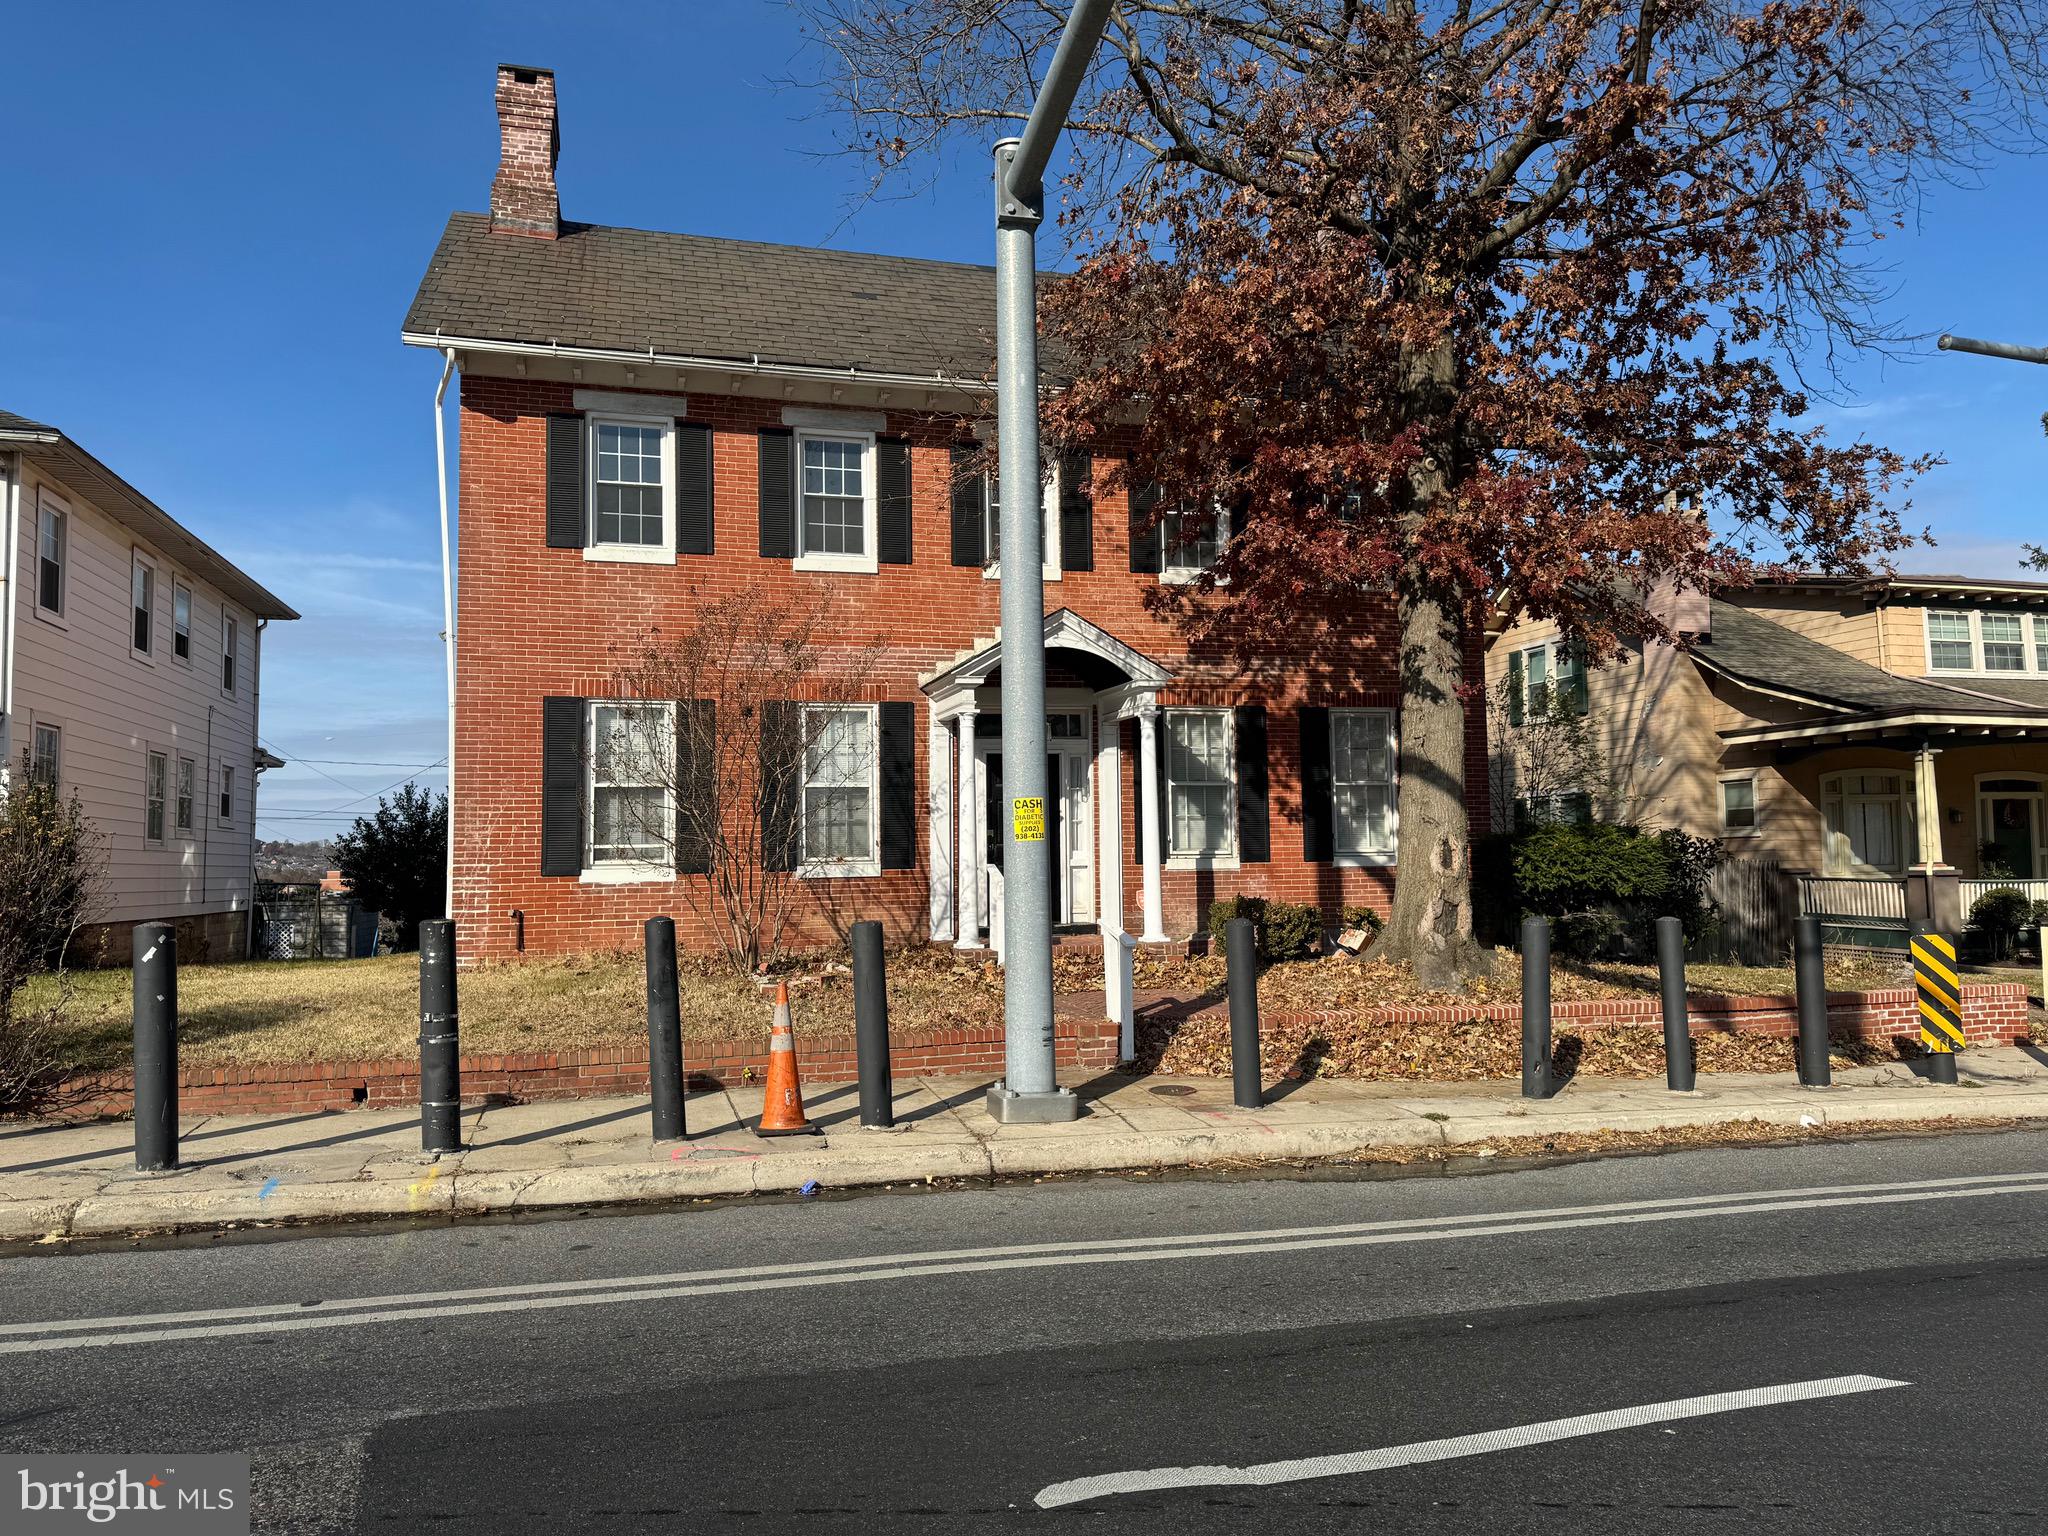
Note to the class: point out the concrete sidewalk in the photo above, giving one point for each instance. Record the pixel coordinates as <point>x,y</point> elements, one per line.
<point>79,1180</point>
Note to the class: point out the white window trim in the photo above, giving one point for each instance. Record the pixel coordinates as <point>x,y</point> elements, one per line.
<point>1374,858</point>
<point>1227,857</point>
<point>1552,651</point>
<point>620,871</point>
<point>663,553</point>
<point>149,755</point>
<point>1848,866</point>
<point>1049,532</point>
<point>869,562</point>
<point>1181,575</point>
<point>1756,803</point>
<point>36,728</point>
<point>45,497</point>
<point>139,556</point>
<point>1984,798</point>
<point>180,584</point>
<point>2029,654</point>
<point>229,648</point>
<point>809,868</point>
<point>225,786</point>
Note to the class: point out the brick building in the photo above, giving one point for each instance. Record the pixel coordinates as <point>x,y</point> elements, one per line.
<point>650,420</point>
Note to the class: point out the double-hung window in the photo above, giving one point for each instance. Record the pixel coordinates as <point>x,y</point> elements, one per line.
<point>839,800</point>
<point>632,809</point>
<point>46,760</point>
<point>1201,784</point>
<point>227,793</point>
<point>632,483</point>
<point>142,603</point>
<point>1362,759</point>
<point>1545,681</point>
<point>1866,818</point>
<point>1987,642</point>
<point>2005,648</point>
<point>1192,542</point>
<point>53,538</point>
<point>1049,529</point>
<point>181,621</point>
<point>836,508</point>
<point>230,649</point>
<point>1738,806</point>
<point>155,787</point>
<point>1951,646</point>
<point>188,789</point>
<point>2041,643</point>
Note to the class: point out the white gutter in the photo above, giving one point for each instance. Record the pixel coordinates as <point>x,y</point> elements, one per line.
<point>447,609</point>
<point>653,359</point>
<point>10,525</point>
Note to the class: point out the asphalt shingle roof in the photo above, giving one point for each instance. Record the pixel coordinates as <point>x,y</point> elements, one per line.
<point>690,296</point>
<point>1754,649</point>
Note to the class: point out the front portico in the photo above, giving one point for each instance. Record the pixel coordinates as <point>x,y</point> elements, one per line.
<point>1094,681</point>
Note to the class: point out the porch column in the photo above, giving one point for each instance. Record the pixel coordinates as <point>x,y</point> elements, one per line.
<point>1927,808</point>
<point>940,816</point>
<point>965,805</point>
<point>1109,807</point>
<point>1149,818</point>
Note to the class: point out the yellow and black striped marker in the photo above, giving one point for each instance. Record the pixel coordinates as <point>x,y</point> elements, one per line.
<point>1941,994</point>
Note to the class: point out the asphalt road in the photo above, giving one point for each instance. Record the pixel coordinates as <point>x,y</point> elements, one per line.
<point>1059,1357</point>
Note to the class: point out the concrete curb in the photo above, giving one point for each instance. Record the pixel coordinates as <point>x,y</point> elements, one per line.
<point>127,1204</point>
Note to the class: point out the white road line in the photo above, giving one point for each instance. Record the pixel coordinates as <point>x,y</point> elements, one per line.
<point>1494,1221</point>
<point>1266,1474</point>
<point>905,1267</point>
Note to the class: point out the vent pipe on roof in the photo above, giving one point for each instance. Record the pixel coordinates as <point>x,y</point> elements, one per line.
<point>523,200</point>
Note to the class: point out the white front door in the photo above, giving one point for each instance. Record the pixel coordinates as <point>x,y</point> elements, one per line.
<point>1070,832</point>
<point>1077,885</point>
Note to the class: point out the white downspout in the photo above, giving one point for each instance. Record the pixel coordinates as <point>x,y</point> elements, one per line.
<point>447,609</point>
<point>10,523</point>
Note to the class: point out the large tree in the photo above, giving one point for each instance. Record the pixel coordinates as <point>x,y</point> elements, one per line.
<point>1489,305</point>
<point>394,861</point>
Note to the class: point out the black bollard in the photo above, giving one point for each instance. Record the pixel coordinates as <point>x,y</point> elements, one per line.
<point>1678,1057</point>
<point>871,1027</point>
<point>664,1032</point>
<point>1241,951</point>
<point>1536,1079</point>
<point>440,1031</point>
<point>1809,979</point>
<point>156,1047</point>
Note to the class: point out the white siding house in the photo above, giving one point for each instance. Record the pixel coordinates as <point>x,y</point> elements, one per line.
<point>130,666</point>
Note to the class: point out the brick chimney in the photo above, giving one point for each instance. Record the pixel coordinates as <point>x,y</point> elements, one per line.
<point>523,198</point>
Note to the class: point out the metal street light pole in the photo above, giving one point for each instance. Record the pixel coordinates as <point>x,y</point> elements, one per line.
<point>1029,1091</point>
<point>2008,349</point>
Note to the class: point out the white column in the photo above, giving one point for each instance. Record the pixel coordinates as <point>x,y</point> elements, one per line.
<point>1149,819</point>
<point>1109,819</point>
<point>966,805</point>
<point>940,817</point>
<point>1927,805</point>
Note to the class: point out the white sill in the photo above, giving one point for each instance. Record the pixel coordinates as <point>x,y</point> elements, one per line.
<point>54,620</point>
<point>1187,575</point>
<point>147,658</point>
<point>1225,861</point>
<point>1384,860</point>
<point>1742,832</point>
<point>995,573</point>
<point>856,565</point>
<point>627,874</point>
<point>630,554</point>
<point>852,869</point>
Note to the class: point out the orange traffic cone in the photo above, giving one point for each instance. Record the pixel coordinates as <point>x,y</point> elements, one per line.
<point>782,1112</point>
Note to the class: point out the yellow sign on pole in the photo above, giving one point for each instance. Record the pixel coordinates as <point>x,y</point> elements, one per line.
<point>1941,992</point>
<point>1027,819</point>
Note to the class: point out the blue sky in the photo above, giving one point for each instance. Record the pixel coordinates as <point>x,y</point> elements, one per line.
<point>219,215</point>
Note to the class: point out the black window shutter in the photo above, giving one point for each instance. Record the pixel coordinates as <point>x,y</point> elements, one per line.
<point>1254,832</point>
<point>696,763</point>
<point>970,507</point>
<point>1146,535</point>
<point>561,786</point>
<point>693,489</point>
<point>778,494</point>
<point>892,501</point>
<point>782,747</point>
<point>899,786</point>
<point>1077,512</point>
<point>1318,846</point>
<point>565,483</point>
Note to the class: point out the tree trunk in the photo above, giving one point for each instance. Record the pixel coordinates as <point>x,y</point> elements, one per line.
<point>1430,926</point>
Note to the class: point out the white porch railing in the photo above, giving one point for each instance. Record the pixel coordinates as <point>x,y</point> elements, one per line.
<point>2034,890</point>
<point>1879,899</point>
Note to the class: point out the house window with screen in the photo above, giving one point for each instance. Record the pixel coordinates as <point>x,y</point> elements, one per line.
<point>1200,783</point>
<point>1193,542</point>
<point>839,790</point>
<point>632,816</point>
<point>1362,781</point>
<point>45,761</point>
<point>142,600</point>
<point>2004,644</point>
<point>53,534</point>
<point>155,787</point>
<point>836,502</point>
<point>1738,807</point>
<point>629,488</point>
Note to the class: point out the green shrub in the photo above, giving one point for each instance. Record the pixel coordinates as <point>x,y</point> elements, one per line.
<point>1588,935</point>
<point>2038,918</point>
<point>1370,920</point>
<point>2004,911</point>
<point>1286,930</point>
<point>1560,868</point>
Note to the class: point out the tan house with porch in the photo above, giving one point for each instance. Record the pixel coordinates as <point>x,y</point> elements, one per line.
<point>1882,742</point>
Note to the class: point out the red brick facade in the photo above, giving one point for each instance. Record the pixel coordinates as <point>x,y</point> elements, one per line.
<point>536,621</point>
